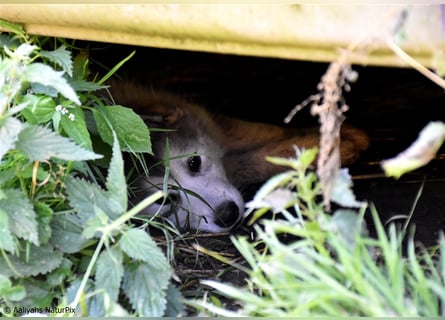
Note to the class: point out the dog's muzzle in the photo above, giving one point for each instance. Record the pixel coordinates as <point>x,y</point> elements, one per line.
<point>227,214</point>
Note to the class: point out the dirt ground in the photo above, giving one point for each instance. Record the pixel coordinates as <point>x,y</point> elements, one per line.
<point>391,104</point>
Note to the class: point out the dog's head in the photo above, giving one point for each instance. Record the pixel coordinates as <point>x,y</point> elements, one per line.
<point>188,156</point>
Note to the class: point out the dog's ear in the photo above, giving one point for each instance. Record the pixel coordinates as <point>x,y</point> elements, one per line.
<point>155,108</point>
<point>160,114</point>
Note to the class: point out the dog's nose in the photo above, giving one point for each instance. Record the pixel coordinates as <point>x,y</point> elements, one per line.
<point>227,214</point>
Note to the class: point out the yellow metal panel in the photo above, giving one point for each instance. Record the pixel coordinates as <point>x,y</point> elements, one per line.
<point>306,32</point>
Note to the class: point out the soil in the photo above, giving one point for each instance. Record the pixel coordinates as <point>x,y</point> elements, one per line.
<point>391,104</point>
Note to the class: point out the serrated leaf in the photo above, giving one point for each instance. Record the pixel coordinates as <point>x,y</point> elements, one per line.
<point>109,272</point>
<point>22,218</point>
<point>38,293</point>
<point>84,197</point>
<point>85,86</point>
<point>341,192</point>
<point>45,75</point>
<point>77,129</point>
<point>41,260</point>
<point>9,133</point>
<point>116,183</point>
<point>175,307</point>
<point>6,240</point>
<point>80,68</point>
<point>38,88</point>
<point>93,226</point>
<point>130,129</point>
<point>60,56</point>
<point>146,287</point>
<point>347,224</point>
<point>17,293</point>
<point>67,233</point>
<point>39,143</point>
<point>44,217</point>
<point>40,109</point>
<point>22,52</point>
<point>137,244</point>
<point>12,27</point>
<point>10,292</point>
<point>5,284</point>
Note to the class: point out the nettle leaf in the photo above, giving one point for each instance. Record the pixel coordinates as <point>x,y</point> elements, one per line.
<point>85,86</point>
<point>60,56</point>
<point>77,128</point>
<point>40,260</point>
<point>175,306</point>
<point>109,272</point>
<point>137,244</point>
<point>347,224</point>
<point>132,132</point>
<point>22,218</point>
<point>146,288</point>
<point>116,182</point>
<point>45,75</point>
<point>9,133</point>
<point>10,292</point>
<point>80,67</point>
<point>39,293</point>
<point>341,190</point>
<point>39,143</point>
<point>6,240</point>
<point>67,233</point>
<point>94,225</point>
<point>40,109</point>
<point>39,88</point>
<point>44,217</point>
<point>84,197</point>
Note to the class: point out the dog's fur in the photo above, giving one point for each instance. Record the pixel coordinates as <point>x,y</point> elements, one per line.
<point>208,155</point>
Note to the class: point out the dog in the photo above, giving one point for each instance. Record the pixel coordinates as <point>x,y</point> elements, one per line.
<point>207,158</point>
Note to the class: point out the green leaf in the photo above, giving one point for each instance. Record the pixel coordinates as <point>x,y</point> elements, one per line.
<point>80,68</point>
<point>93,226</point>
<point>67,233</point>
<point>347,224</point>
<point>10,292</point>
<point>109,272</point>
<point>175,306</point>
<point>41,260</point>
<point>39,143</point>
<point>77,128</point>
<point>40,109</point>
<point>84,197</point>
<point>16,293</point>
<point>38,294</point>
<point>60,56</point>
<point>22,218</point>
<point>341,190</point>
<point>44,217</point>
<point>85,86</point>
<point>130,129</point>
<point>45,75</point>
<point>13,27</point>
<point>137,244</point>
<point>9,133</point>
<point>6,240</point>
<point>146,287</point>
<point>116,183</point>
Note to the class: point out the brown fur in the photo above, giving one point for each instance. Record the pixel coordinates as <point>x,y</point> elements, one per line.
<point>245,144</point>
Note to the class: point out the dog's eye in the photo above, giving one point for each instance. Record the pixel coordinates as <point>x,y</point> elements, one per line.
<point>194,163</point>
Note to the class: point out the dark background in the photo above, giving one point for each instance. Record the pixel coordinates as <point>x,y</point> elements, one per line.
<point>391,104</point>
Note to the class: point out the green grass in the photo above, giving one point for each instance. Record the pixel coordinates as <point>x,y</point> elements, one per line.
<point>328,265</point>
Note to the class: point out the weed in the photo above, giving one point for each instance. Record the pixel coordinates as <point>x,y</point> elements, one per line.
<point>68,246</point>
